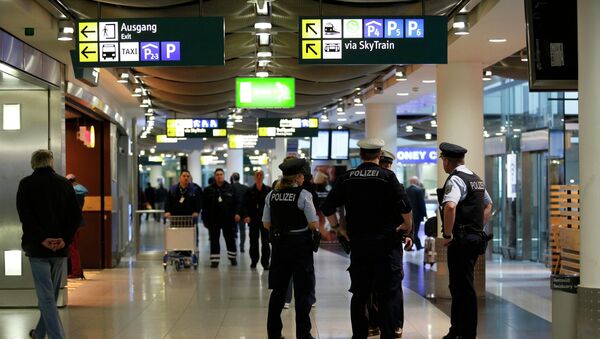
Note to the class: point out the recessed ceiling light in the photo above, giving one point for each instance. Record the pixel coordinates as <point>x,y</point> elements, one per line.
<point>497,40</point>
<point>341,119</point>
<point>402,94</point>
<point>359,112</point>
<point>428,81</point>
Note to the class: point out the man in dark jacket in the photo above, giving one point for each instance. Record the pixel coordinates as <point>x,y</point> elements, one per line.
<point>239,190</point>
<point>150,196</point>
<point>184,199</point>
<point>416,196</point>
<point>221,211</point>
<point>50,216</point>
<point>254,203</point>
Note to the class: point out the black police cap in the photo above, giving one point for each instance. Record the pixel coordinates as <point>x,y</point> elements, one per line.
<point>452,151</point>
<point>292,166</point>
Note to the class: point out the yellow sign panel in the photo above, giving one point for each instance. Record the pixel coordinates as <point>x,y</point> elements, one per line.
<point>311,49</point>
<point>88,31</point>
<point>313,123</point>
<point>311,28</point>
<point>88,52</point>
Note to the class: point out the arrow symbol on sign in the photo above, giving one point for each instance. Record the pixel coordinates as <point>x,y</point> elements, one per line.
<point>84,32</point>
<point>85,52</point>
<point>310,26</point>
<point>310,47</point>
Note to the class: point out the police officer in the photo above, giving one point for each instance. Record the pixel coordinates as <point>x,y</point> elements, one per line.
<point>290,217</point>
<point>386,160</point>
<point>374,201</point>
<point>221,211</point>
<point>466,208</point>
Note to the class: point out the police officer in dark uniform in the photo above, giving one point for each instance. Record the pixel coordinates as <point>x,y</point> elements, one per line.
<point>375,202</point>
<point>290,217</point>
<point>466,208</point>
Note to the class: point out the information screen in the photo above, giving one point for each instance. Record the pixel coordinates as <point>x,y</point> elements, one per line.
<point>319,147</point>
<point>339,144</point>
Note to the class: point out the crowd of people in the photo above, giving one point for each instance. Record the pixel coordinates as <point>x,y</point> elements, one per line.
<point>371,212</point>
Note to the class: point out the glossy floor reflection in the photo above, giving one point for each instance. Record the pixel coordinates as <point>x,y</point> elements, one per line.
<point>140,300</point>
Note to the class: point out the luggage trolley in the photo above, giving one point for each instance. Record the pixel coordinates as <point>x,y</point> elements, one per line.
<point>180,237</point>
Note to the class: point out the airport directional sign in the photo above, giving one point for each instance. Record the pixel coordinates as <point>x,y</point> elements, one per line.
<point>288,127</point>
<point>373,40</point>
<point>265,92</point>
<point>188,41</point>
<point>196,128</point>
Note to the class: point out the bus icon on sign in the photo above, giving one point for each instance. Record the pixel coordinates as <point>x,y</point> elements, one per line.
<point>109,51</point>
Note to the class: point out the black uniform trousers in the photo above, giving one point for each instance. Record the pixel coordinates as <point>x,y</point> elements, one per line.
<point>462,256</point>
<point>292,259</point>
<point>258,231</point>
<point>375,269</point>
<point>214,235</point>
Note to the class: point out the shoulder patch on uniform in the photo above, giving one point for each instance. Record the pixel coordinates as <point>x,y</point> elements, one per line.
<point>448,187</point>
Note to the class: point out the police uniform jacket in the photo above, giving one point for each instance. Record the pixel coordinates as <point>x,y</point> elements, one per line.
<point>373,198</point>
<point>289,210</point>
<point>220,204</point>
<point>467,190</point>
<point>184,201</point>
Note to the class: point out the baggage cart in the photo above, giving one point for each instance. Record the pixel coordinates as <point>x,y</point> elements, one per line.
<point>181,249</point>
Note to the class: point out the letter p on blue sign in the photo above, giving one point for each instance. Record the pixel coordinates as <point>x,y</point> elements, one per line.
<point>170,51</point>
<point>415,28</point>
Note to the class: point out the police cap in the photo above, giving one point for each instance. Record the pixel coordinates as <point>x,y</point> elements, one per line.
<point>387,156</point>
<point>372,144</point>
<point>292,166</point>
<point>452,151</point>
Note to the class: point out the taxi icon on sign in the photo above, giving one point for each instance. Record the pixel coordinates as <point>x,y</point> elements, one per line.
<point>331,47</point>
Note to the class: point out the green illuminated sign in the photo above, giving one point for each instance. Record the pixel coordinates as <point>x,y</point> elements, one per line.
<point>144,42</point>
<point>265,93</point>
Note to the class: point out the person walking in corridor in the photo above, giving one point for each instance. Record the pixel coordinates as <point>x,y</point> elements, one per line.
<point>50,215</point>
<point>254,203</point>
<point>416,196</point>
<point>221,212</point>
<point>239,190</point>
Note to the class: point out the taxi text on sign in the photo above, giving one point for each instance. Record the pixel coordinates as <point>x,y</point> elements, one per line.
<point>150,42</point>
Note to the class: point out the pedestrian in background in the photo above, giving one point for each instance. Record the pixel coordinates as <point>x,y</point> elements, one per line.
<point>50,215</point>
<point>416,196</point>
<point>239,190</point>
<point>161,198</point>
<point>150,196</point>
<point>74,264</point>
<point>254,203</point>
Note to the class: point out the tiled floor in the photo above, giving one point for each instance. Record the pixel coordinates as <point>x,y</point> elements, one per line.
<point>140,300</point>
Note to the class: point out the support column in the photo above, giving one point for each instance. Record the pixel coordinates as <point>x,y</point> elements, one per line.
<point>276,158</point>
<point>460,121</point>
<point>235,163</point>
<point>194,167</point>
<point>155,174</point>
<point>588,313</point>
<point>380,122</point>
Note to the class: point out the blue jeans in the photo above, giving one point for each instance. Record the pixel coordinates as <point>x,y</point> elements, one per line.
<point>47,274</point>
